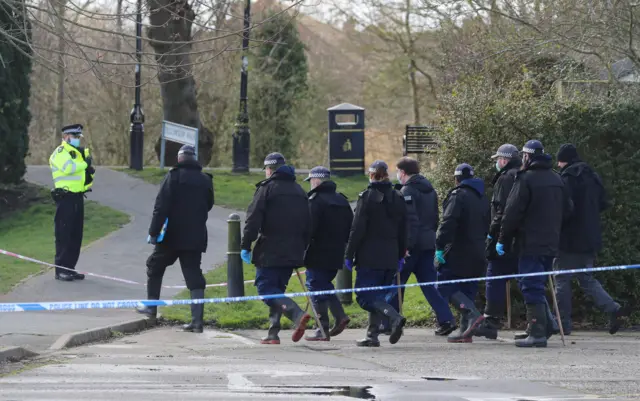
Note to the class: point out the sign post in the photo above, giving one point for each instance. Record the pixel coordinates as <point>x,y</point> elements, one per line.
<point>177,133</point>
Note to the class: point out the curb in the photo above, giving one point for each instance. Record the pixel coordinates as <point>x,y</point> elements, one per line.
<point>15,354</point>
<point>101,334</point>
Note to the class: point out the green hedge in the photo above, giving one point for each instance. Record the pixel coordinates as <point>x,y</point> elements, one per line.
<point>479,117</point>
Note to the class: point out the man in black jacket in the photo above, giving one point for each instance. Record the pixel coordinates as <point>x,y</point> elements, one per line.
<point>508,163</point>
<point>422,216</point>
<point>460,248</point>
<point>331,218</point>
<point>536,206</point>
<point>581,238</point>
<point>184,201</point>
<point>278,218</point>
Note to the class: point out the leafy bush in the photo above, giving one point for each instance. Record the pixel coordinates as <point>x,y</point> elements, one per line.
<point>479,117</point>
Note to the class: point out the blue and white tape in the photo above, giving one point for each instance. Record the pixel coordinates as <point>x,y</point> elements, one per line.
<point>132,303</point>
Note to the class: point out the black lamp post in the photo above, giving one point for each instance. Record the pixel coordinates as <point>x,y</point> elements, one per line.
<point>137,116</point>
<point>241,138</point>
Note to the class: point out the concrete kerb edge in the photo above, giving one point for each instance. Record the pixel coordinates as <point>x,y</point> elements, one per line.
<point>101,333</point>
<point>15,354</point>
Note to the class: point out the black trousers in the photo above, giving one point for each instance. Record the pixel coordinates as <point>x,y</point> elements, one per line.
<point>69,224</point>
<point>162,257</point>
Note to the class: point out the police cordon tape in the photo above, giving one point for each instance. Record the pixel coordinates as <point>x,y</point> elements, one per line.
<point>132,303</point>
<point>120,280</point>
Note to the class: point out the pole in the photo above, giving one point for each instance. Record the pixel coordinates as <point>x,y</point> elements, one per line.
<point>137,115</point>
<point>508,292</point>
<point>235,274</point>
<point>555,306</point>
<point>313,308</point>
<point>241,138</point>
<point>399,293</point>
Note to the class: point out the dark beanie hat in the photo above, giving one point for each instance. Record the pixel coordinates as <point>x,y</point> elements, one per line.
<point>567,153</point>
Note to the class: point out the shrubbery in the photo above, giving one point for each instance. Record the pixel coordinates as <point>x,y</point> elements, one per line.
<point>478,117</point>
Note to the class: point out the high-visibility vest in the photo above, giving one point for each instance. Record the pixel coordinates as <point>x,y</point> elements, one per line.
<point>68,168</point>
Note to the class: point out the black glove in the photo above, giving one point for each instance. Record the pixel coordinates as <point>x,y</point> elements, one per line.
<point>91,170</point>
<point>89,161</point>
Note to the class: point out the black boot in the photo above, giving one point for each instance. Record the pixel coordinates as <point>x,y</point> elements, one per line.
<point>154,286</point>
<point>396,320</point>
<point>552,326</point>
<point>340,317</point>
<point>537,318</point>
<point>197,313</point>
<point>64,276</point>
<point>470,321</point>
<point>446,328</point>
<point>488,328</point>
<point>371,340</point>
<point>322,309</point>
<point>293,312</point>
<point>274,327</point>
<point>615,321</point>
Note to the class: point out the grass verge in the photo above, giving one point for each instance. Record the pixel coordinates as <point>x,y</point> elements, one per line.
<point>235,191</point>
<point>254,314</point>
<point>26,227</point>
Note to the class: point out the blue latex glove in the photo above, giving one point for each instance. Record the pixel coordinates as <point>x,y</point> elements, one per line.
<point>489,237</point>
<point>400,265</point>
<point>500,249</point>
<point>245,256</point>
<point>440,257</point>
<point>349,264</point>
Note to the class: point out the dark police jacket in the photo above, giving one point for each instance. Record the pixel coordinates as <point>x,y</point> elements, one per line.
<point>331,218</point>
<point>378,238</point>
<point>278,217</point>
<point>502,184</point>
<point>535,209</point>
<point>185,198</point>
<point>422,213</point>
<point>581,232</point>
<point>465,222</point>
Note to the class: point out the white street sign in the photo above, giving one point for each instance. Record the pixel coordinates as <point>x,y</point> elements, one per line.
<point>180,133</point>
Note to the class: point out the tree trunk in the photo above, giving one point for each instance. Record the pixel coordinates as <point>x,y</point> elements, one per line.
<point>61,73</point>
<point>171,20</point>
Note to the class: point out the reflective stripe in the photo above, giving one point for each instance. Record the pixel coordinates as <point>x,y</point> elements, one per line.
<point>68,178</point>
<point>74,166</point>
<point>53,168</point>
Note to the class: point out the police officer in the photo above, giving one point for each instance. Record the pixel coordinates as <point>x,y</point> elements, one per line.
<point>422,215</point>
<point>183,202</point>
<point>460,248</point>
<point>331,218</point>
<point>72,171</point>
<point>377,246</point>
<point>536,206</point>
<point>581,238</point>
<point>508,163</point>
<point>278,217</point>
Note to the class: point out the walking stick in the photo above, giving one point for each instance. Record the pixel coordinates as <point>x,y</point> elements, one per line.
<point>313,308</point>
<point>399,293</point>
<point>508,305</point>
<point>555,306</point>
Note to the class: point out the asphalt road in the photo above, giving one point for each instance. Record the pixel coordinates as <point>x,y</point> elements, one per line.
<point>164,364</point>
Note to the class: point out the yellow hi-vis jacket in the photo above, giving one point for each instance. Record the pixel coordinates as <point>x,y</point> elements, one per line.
<point>68,168</point>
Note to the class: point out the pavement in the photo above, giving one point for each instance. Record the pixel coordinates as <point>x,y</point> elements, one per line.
<point>164,364</point>
<point>121,254</point>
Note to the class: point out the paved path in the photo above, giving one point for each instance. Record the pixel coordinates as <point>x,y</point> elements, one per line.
<point>121,254</point>
<point>163,364</point>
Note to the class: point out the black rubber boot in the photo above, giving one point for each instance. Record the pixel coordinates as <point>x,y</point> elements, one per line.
<point>293,312</point>
<point>470,321</point>
<point>154,286</point>
<point>322,308</point>
<point>537,318</point>
<point>371,340</point>
<point>64,276</point>
<point>552,326</point>
<point>197,313</point>
<point>446,328</point>
<point>274,327</point>
<point>488,328</point>
<point>396,320</point>
<point>615,321</point>
<point>340,317</point>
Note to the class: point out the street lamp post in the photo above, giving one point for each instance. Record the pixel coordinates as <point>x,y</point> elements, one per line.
<point>137,116</point>
<point>241,138</point>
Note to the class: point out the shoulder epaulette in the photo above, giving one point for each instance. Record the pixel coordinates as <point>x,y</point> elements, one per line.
<point>313,195</point>
<point>361,194</point>
<point>60,149</point>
